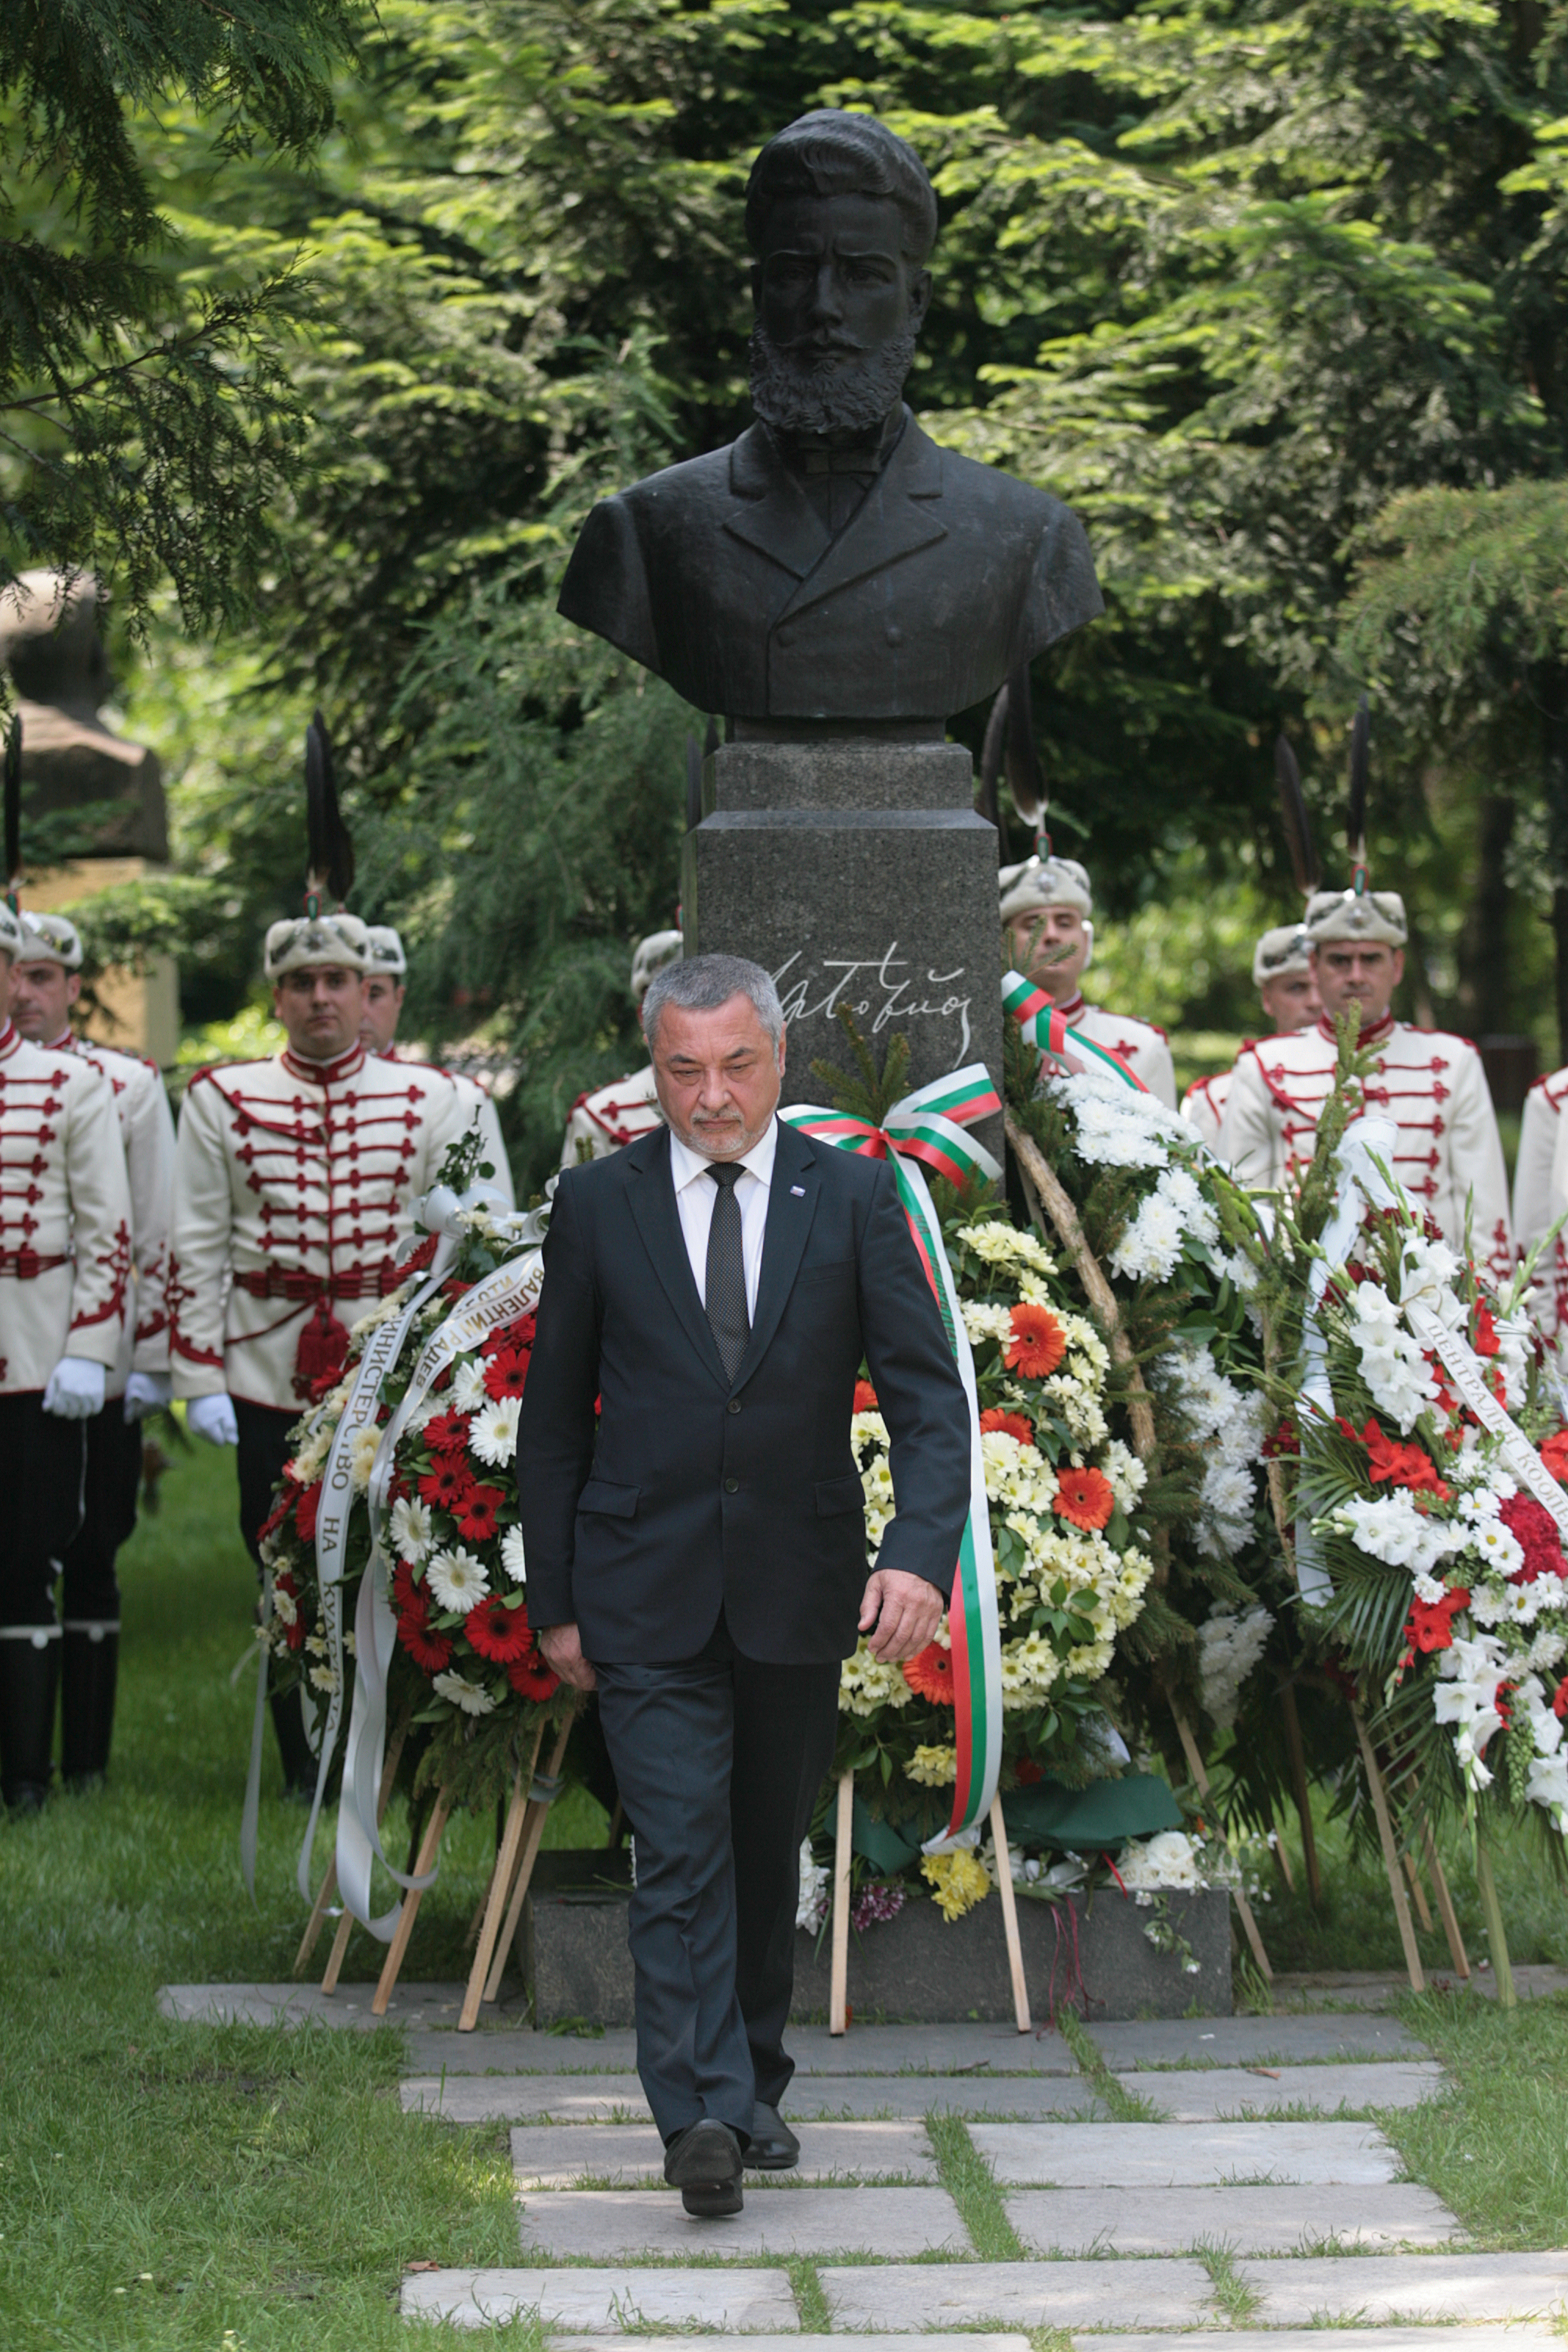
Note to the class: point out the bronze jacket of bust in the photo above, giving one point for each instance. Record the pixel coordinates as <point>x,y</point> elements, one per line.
<point>720,576</point>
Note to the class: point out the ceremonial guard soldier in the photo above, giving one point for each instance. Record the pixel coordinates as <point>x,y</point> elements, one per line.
<point>1541,1195</point>
<point>386,968</point>
<point>65,1261</point>
<point>1430,1084</point>
<point>1283,976</point>
<point>45,985</point>
<point>294,1184</point>
<point>1047,909</point>
<point>616,1115</point>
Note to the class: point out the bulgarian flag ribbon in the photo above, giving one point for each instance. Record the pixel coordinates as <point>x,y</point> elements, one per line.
<point>1039,1019</point>
<point>926,1129</point>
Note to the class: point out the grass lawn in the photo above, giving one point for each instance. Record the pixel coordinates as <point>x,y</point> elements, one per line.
<point>239,2190</point>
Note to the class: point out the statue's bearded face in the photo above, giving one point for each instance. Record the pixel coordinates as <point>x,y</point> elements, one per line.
<point>839,306</point>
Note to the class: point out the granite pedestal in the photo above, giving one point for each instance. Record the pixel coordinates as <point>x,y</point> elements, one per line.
<point>857,871</point>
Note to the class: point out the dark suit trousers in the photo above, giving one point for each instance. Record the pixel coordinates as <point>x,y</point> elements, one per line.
<point>718,1759</point>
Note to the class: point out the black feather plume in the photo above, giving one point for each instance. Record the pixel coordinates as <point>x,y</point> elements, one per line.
<point>1298,824</point>
<point>331,847</point>
<point>1360,772</point>
<point>1025,782</point>
<point>694,784</point>
<point>14,803</point>
<point>991,758</point>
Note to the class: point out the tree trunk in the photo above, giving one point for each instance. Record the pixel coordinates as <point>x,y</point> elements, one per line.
<point>1485,991</point>
<point>1549,683</point>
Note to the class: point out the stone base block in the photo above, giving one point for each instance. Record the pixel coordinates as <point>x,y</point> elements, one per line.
<point>918,1967</point>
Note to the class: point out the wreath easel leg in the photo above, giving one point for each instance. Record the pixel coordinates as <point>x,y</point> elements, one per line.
<point>1010,1917</point>
<point>838,1994</point>
<point>318,1913</point>
<point>1301,1792</point>
<point>1390,1854</point>
<point>1456,1952</point>
<point>429,1847</point>
<point>533,1834</point>
<point>500,1885</point>
<point>1195,1765</point>
<point>346,1923</point>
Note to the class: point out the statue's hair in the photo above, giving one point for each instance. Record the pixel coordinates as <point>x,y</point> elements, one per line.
<point>830,153</point>
<point>706,982</point>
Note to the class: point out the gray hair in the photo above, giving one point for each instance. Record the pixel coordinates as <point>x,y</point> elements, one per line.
<point>705,982</point>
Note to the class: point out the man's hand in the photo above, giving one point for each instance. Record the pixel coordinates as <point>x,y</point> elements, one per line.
<point>562,1647</point>
<point>213,1417</point>
<point>905,1611</point>
<point>75,1391</point>
<point>146,1392</point>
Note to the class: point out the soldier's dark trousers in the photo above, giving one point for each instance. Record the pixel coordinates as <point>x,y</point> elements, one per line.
<point>90,1595</point>
<point>42,1459</point>
<point>264,1448</point>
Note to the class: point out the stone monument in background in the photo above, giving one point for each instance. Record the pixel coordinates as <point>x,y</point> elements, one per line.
<point>834,586</point>
<point>75,767</point>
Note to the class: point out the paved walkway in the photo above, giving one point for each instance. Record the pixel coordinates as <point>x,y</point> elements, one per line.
<point>1201,2176</point>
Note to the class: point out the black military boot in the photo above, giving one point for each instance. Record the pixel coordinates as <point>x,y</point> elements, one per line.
<point>90,1670</point>
<point>29,1676</point>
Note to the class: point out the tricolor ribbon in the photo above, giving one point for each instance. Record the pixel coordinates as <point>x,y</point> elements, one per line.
<point>927,1128</point>
<point>1040,1022</point>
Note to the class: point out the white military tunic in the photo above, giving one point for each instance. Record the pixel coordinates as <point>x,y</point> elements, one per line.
<point>605,1122</point>
<point>65,1215</point>
<point>1203,1106</point>
<point>293,1190</point>
<point>147,1137</point>
<point>1430,1084</point>
<point>1540,1193</point>
<point>1137,1042</point>
<point>478,1110</point>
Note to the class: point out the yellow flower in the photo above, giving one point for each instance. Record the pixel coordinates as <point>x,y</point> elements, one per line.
<point>932,1767</point>
<point>960,1881</point>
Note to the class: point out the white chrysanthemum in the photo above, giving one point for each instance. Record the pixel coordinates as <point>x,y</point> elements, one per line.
<point>1151,1247</point>
<point>468,1390</point>
<point>1127,1475</point>
<point>1229,1647</point>
<point>458,1579</point>
<point>324,1678</point>
<point>493,1434</point>
<point>1168,1859</point>
<point>386,1310</point>
<point>469,1696</point>
<point>311,1459</point>
<point>410,1529</point>
<point>1005,1244</point>
<point>982,1322</point>
<point>284,1607</point>
<point>364,1447</point>
<point>512,1556</point>
<point>866,1683</point>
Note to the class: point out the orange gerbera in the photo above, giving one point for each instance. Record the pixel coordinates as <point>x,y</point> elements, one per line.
<point>865,1398</point>
<point>1038,1345</point>
<point>929,1674</point>
<point>1086,1498</point>
<point>1011,1424</point>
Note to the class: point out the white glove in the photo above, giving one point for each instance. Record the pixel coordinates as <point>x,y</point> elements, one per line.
<point>75,1390</point>
<point>213,1417</point>
<point>146,1392</point>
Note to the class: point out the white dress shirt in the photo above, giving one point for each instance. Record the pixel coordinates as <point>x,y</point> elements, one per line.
<point>695,1195</point>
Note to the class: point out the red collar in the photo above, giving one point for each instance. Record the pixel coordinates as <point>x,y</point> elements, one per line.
<point>1373,1035</point>
<point>65,1042</point>
<point>1073,1006</point>
<point>9,1041</point>
<point>323,1073</point>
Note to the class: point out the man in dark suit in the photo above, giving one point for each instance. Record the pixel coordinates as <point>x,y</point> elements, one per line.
<point>834,562</point>
<point>694,1524</point>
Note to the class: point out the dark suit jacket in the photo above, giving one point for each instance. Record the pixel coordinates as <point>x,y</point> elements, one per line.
<point>695,1491</point>
<point>720,575</point>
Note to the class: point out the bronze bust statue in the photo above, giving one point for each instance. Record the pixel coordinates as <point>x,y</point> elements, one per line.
<point>833,563</point>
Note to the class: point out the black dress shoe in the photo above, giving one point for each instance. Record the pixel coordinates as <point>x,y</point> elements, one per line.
<point>704,2162</point>
<point>774,2146</point>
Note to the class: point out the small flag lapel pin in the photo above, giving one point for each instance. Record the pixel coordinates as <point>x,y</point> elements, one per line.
<point>798,1190</point>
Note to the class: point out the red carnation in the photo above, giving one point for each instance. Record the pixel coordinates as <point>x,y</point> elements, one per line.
<point>304,1512</point>
<point>499,1632</point>
<point>1535,1530</point>
<point>1554,1453</point>
<point>431,1652</point>
<point>531,1678</point>
<point>505,1373</point>
<point>478,1514</point>
<point>1012,1424</point>
<point>929,1674</point>
<point>866,1399</point>
<point>448,1482</point>
<point>1284,1440</point>
<point>447,1433</point>
<point>1402,1465</point>
<point>1431,1625</point>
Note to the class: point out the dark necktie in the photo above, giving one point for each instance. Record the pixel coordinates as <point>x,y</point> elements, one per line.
<point>725,1290</point>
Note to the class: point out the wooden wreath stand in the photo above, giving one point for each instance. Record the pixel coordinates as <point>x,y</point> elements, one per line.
<point>517,1851</point>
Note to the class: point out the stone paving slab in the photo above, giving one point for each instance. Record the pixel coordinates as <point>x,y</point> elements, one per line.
<point>1259,2220</point>
<point>1346,2339</point>
<point>950,2343</point>
<point>1136,2155</point>
<point>606,2302</point>
<point>610,2224</point>
<point>1248,2040</point>
<point>1409,2287</point>
<point>1340,1989</point>
<point>297,2004</point>
<point>559,2155</point>
<point>1197,2096</point>
<point>863,2050</point>
<point>609,2099</point>
<point>899,2298</point>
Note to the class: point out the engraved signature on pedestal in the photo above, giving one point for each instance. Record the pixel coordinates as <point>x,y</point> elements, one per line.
<point>879,989</point>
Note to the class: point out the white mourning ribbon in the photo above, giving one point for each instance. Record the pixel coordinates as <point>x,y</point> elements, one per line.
<point>382,1353</point>
<point>501,1297</point>
<point>1463,1367</point>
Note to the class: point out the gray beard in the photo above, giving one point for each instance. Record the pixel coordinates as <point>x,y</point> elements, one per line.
<point>840,395</point>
